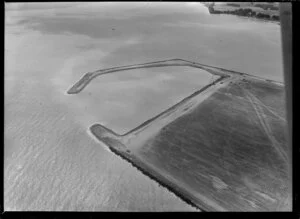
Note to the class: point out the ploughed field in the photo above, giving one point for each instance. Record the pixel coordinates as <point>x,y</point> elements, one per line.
<point>231,148</point>
<point>224,152</point>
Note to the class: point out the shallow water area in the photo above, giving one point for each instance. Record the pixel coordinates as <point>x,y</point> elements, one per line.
<point>123,100</point>
<point>52,163</point>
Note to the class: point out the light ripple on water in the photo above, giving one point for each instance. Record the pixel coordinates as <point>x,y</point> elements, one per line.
<point>55,165</point>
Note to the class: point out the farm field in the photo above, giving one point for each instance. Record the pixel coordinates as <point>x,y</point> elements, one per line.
<point>229,153</point>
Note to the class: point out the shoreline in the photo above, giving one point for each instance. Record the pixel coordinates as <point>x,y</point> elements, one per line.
<point>245,12</point>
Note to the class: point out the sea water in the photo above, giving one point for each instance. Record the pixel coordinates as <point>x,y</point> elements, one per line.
<point>51,162</point>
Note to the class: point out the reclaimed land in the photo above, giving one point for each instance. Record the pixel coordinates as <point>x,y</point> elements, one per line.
<point>223,148</point>
<point>228,154</point>
<point>231,148</point>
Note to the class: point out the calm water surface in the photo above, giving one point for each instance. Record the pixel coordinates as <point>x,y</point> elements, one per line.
<point>51,160</point>
<point>123,100</point>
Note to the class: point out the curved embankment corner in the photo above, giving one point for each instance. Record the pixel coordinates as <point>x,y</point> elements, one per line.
<point>103,130</point>
<point>81,84</point>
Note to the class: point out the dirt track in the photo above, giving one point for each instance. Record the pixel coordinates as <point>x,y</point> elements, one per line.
<point>88,77</point>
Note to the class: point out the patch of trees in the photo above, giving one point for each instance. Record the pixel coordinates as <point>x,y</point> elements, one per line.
<point>233,5</point>
<point>211,9</point>
<point>240,12</point>
<point>275,17</point>
<point>261,15</point>
<point>244,12</point>
<point>267,6</point>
